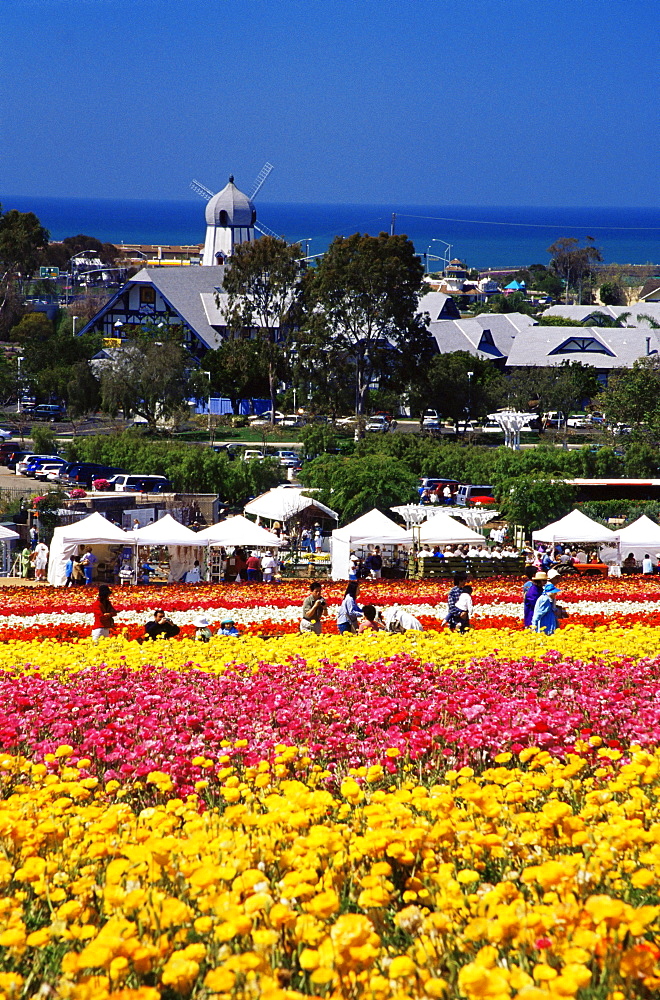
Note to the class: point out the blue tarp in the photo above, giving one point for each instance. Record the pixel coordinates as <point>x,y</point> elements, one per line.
<point>221,406</point>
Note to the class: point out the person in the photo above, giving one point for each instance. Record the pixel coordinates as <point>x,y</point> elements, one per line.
<point>26,562</point>
<point>318,537</point>
<point>146,571</point>
<point>544,618</point>
<point>68,572</point>
<point>400,620</point>
<point>446,494</point>
<point>104,613</point>
<point>88,562</point>
<point>629,563</point>
<point>241,565</point>
<point>313,609</point>
<point>647,565</point>
<point>202,629</point>
<point>194,575</point>
<point>375,564</point>
<point>464,608</point>
<point>40,561</point>
<point>269,567</point>
<point>34,537</point>
<point>253,565</point>
<point>353,566</point>
<point>349,610</point>
<point>532,591</point>
<point>306,540</point>
<point>580,556</point>
<point>228,627</point>
<point>77,575</point>
<point>452,617</point>
<point>546,561</point>
<point>160,626</point>
<point>372,620</point>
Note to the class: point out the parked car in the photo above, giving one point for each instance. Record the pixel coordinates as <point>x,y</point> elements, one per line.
<point>288,459</point>
<point>475,494</point>
<point>431,421</point>
<point>264,418</point>
<point>45,470</point>
<point>23,463</point>
<point>253,455</point>
<point>491,427</point>
<point>4,435</point>
<point>84,473</point>
<point>430,483</point>
<point>555,419</point>
<point>48,411</point>
<point>291,420</point>
<point>36,465</point>
<point>14,457</point>
<point>130,483</point>
<point>378,423</point>
<point>578,420</point>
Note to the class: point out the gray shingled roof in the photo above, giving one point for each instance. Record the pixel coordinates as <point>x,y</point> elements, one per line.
<point>183,288</point>
<point>534,347</point>
<point>433,303</point>
<point>469,333</point>
<point>581,313</point>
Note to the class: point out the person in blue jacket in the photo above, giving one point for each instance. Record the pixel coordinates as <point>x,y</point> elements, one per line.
<point>545,613</point>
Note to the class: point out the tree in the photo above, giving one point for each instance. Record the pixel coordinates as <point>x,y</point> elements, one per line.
<point>353,486</point>
<point>561,387</point>
<point>22,241</point>
<point>574,263</point>
<point>446,386</point>
<point>146,378</point>
<point>362,309</point>
<point>262,282</point>
<point>612,294</point>
<point>534,501</point>
<point>633,394</point>
<point>239,370</point>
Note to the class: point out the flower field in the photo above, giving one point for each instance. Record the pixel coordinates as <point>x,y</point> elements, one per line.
<point>376,816</point>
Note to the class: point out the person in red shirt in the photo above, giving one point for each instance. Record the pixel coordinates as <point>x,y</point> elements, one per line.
<point>104,613</point>
<point>253,568</point>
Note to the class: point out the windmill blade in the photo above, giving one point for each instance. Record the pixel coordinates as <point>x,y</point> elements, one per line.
<point>201,190</point>
<point>261,177</point>
<point>265,231</point>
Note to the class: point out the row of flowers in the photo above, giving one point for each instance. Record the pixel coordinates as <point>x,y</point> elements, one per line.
<point>126,722</point>
<point>536,879</point>
<point>181,597</point>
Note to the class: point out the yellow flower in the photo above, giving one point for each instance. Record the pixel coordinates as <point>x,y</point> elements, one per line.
<point>401,967</point>
<point>220,980</point>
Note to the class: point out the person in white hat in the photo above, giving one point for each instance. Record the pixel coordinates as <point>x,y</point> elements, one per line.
<point>203,631</point>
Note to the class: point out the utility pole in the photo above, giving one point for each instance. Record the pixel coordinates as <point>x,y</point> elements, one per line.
<point>393,224</point>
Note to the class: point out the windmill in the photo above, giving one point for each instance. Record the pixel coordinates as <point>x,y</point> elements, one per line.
<point>207,195</point>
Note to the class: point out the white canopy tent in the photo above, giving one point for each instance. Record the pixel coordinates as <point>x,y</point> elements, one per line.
<point>640,537</point>
<point>284,502</point>
<point>67,539</point>
<point>373,528</point>
<point>166,531</point>
<point>441,529</point>
<point>7,535</point>
<point>575,528</point>
<point>238,530</point>
<point>175,536</point>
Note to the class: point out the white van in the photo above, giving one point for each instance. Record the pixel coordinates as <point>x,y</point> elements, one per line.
<point>140,484</point>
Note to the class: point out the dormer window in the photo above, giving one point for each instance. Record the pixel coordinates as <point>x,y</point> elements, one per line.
<point>582,345</point>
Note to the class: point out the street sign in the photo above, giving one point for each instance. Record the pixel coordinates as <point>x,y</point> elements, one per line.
<point>51,273</point>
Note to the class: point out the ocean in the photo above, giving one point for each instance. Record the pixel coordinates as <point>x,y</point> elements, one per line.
<point>480,236</point>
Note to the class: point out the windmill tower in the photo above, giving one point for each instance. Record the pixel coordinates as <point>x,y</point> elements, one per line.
<point>231,218</point>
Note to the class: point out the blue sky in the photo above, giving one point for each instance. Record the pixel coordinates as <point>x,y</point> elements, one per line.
<point>492,102</point>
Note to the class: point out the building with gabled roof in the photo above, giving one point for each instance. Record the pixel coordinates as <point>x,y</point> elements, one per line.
<point>633,315</point>
<point>604,348</point>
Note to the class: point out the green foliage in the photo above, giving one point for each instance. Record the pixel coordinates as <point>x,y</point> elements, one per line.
<point>444,384</point>
<point>352,486</point>
<point>574,262</point>
<point>633,394</point>
<point>601,510</point>
<point>362,298</point>
<point>33,328</point>
<point>22,241</point>
<point>557,321</point>
<point>317,439</point>
<point>146,378</point>
<point>612,294</point>
<point>190,468</point>
<point>563,387</point>
<point>239,370</point>
<point>43,439</point>
<point>534,501</point>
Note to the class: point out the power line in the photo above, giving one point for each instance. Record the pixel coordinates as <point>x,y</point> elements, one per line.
<point>529,225</point>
